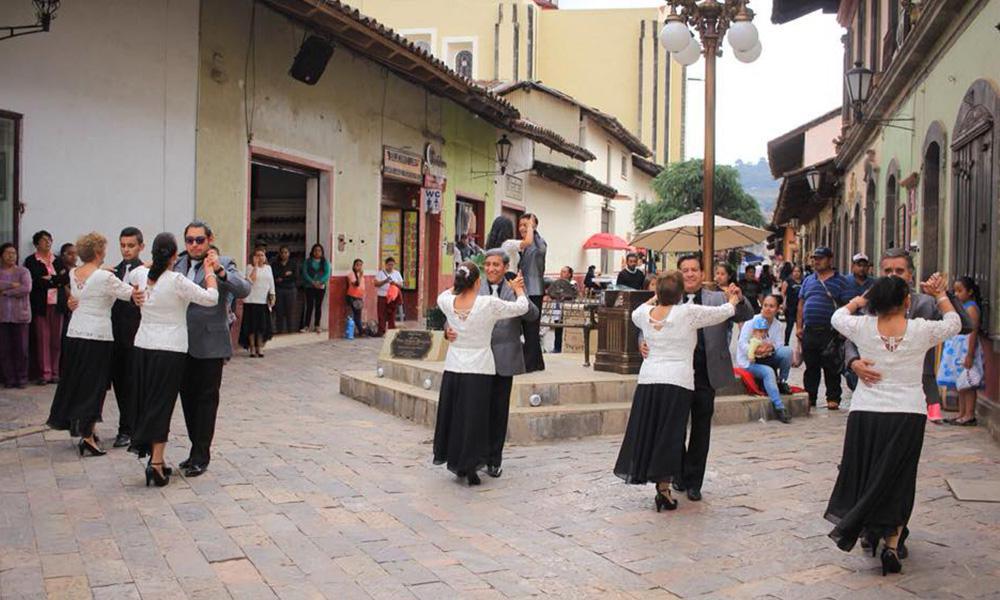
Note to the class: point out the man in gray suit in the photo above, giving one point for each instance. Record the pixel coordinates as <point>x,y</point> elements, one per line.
<point>508,354</point>
<point>209,344</point>
<point>898,262</point>
<point>713,369</point>
<point>532,266</point>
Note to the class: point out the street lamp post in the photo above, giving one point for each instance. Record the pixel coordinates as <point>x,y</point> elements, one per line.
<point>711,19</point>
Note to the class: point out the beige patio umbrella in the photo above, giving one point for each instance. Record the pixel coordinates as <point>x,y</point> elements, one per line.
<point>684,234</point>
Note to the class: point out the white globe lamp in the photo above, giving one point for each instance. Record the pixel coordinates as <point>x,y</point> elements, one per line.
<point>743,35</point>
<point>690,54</point>
<point>750,55</point>
<point>675,34</point>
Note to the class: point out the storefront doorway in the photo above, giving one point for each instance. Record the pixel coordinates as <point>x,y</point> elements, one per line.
<point>10,210</point>
<point>281,197</point>
<point>399,238</point>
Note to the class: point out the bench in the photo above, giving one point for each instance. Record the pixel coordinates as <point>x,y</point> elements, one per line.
<point>572,314</point>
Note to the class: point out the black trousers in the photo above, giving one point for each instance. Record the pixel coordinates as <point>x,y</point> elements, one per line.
<point>533,360</point>
<point>285,319</point>
<point>695,456</point>
<point>499,414</point>
<point>124,384</point>
<point>200,400</point>
<point>557,347</point>
<point>356,315</point>
<point>814,340</point>
<point>314,302</point>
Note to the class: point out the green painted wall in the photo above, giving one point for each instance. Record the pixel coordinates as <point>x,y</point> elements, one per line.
<point>469,151</point>
<point>938,97</point>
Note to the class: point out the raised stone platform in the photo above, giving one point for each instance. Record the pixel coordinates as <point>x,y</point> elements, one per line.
<point>575,401</point>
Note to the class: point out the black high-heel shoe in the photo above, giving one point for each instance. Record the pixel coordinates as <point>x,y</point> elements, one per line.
<point>166,470</point>
<point>152,475</point>
<point>85,446</point>
<point>473,478</point>
<point>890,561</point>
<point>664,502</point>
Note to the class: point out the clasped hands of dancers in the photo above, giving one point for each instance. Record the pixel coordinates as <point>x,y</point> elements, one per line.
<point>146,344</point>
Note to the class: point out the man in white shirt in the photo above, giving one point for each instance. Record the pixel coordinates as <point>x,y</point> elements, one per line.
<point>385,279</point>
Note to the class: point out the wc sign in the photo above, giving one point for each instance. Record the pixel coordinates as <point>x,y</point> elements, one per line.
<point>432,200</point>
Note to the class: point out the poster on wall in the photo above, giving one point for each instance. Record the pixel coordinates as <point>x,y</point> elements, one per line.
<point>411,237</point>
<point>390,235</point>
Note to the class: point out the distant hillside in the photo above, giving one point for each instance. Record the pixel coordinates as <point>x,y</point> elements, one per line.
<point>757,181</point>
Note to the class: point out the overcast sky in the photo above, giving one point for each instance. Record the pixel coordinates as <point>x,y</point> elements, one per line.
<point>797,78</point>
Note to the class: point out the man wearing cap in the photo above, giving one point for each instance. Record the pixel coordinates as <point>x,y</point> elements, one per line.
<point>860,269</point>
<point>822,293</point>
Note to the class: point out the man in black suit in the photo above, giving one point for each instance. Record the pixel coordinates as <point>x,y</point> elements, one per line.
<point>125,317</point>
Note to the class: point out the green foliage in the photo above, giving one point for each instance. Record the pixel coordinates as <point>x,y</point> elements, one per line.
<point>679,188</point>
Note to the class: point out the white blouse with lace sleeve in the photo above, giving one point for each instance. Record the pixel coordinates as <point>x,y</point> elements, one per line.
<point>92,318</point>
<point>471,352</point>
<point>164,312</point>
<point>672,340</point>
<point>899,360</point>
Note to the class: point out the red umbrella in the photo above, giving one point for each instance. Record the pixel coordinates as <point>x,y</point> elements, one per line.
<point>606,241</point>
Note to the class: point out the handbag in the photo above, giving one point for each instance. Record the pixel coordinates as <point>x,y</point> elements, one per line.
<point>834,349</point>
<point>969,379</point>
<point>357,304</point>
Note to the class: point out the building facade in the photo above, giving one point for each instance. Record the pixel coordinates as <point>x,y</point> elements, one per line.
<point>174,110</point>
<point>916,164</point>
<point>609,58</point>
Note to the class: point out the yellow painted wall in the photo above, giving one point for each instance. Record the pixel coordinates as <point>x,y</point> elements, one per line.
<point>592,55</point>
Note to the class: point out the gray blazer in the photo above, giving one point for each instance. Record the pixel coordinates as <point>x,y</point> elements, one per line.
<point>717,355</point>
<point>922,306</point>
<point>508,351</point>
<point>532,265</point>
<point>208,326</point>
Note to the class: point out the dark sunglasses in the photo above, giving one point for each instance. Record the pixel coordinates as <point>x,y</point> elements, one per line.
<point>195,240</point>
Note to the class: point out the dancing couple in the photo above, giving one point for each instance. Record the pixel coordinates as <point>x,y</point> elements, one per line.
<point>485,321</point>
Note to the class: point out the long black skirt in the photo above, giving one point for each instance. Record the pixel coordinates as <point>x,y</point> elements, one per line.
<point>84,373</point>
<point>462,431</point>
<point>158,376</point>
<point>878,475</point>
<point>653,447</point>
<point>256,321</point>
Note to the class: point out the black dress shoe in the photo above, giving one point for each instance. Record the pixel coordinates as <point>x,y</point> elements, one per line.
<point>494,471</point>
<point>694,495</point>
<point>679,486</point>
<point>782,415</point>
<point>185,463</point>
<point>122,440</point>
<point>195,470</point>
<point>784,389</point>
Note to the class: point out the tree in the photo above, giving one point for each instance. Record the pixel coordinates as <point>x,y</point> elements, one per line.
<point>679,188</point>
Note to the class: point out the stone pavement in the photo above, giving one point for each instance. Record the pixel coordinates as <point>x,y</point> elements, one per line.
<point>313,495</point>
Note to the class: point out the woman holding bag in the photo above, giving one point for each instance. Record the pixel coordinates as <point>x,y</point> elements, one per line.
<point>356,294</point>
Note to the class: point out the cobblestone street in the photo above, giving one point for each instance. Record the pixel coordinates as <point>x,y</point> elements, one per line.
<point>313,495</point>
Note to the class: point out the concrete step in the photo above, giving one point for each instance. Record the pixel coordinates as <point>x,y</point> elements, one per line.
<point>544,423</point>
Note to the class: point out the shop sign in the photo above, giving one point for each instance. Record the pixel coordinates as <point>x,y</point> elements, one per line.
<point>402,165</point>
<point>515,188</point>
<point>432,200</point>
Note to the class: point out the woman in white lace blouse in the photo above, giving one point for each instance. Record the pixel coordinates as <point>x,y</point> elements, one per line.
<point>461,433</point>
<point>653,446</point>
<point>87,349</point>
<point>161,346</point>
<point>877,481</point>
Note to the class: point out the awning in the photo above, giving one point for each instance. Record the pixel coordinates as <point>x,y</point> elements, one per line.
<point>573,178</point>
<point>796,200</point>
